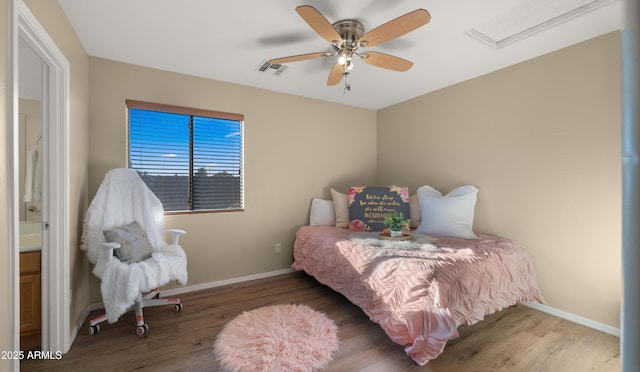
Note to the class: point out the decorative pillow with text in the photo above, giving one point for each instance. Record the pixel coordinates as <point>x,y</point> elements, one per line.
<point>370,206</point>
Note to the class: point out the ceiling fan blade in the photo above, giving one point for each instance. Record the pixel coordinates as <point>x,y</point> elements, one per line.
<point>386,61</point>
<point>395,28</point>
<point>299,57</point>
<point>318,23</point>
<point>336,74</point>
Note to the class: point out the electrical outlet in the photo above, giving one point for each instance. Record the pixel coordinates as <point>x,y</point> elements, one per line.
<point>278,247</point>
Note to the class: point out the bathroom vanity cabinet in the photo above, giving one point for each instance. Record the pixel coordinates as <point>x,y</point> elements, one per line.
<point>30,293</point>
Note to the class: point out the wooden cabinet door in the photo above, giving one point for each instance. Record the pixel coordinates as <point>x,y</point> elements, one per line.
<point>30,293</point>
<point>30,313</point>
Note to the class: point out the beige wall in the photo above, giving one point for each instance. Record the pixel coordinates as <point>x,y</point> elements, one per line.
<point>541,140</point>
<point>50,15</point>
<point>295,149</point>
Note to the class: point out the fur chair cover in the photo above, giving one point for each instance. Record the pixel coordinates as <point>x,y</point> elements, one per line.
<point>121,199</point>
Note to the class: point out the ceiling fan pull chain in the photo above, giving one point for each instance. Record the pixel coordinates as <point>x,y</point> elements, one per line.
<point>347,87</point>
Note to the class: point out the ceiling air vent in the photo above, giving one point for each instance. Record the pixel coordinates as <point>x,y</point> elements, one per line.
<point>272,68</point>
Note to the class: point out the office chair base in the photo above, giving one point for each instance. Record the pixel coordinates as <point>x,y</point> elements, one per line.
<point>150,299</point>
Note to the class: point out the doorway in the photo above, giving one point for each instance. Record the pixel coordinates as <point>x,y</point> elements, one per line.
<point>32,74</point>
<point>52,142</point>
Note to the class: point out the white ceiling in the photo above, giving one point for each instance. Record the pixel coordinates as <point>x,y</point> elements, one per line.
<point>227,40</point>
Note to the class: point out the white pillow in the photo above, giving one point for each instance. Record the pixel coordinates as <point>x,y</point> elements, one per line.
<point>450,215</point>
<point>322,213</point>
<point>341,207</point>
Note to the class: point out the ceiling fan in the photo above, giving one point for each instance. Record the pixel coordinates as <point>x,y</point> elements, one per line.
<point>348,36</point>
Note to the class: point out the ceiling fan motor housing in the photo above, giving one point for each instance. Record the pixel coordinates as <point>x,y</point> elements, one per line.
<point>350,31</point>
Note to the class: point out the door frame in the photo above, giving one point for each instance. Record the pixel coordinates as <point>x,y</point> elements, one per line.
<point>56,289</point>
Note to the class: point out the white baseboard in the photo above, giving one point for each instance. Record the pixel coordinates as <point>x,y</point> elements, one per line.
<point>574,318</point>
<point>83,317</point>
<point>220,283</point>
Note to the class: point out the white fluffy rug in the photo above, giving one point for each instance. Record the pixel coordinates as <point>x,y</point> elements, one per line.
<point>277,338</point>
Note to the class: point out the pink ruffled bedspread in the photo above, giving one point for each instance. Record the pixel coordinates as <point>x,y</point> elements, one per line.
<point>419,292</point>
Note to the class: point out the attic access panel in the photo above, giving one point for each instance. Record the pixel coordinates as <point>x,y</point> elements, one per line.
<point>530,17</point>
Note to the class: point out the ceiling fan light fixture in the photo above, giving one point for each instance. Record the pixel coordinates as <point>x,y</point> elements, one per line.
<point>348,66</point>
<point>345,57</point>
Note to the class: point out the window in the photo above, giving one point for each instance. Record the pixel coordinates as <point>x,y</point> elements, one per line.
<point>191,159</point>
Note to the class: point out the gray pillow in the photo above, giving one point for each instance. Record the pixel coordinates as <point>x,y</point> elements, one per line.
<point>135,246</point>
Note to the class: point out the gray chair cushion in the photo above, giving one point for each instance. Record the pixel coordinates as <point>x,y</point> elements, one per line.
<point>135,246</point>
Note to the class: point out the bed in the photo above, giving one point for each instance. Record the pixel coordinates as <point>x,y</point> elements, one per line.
<point>420,290</point>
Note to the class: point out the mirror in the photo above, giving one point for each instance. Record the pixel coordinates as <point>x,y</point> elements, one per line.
<point>30,134</point>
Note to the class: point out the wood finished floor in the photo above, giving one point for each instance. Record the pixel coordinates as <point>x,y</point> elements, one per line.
<point>515,339</point>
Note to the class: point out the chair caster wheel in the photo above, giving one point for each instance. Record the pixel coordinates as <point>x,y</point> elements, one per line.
<point>178,307</point>
<point>94,329</point>
<point>141,330</point>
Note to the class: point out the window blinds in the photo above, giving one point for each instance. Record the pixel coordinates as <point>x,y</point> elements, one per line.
<point>191,159</point>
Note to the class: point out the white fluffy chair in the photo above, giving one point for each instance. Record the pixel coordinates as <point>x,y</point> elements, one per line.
<point>126,210</point>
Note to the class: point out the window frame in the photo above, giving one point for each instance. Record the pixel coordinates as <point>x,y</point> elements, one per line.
<point>180,110</point>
